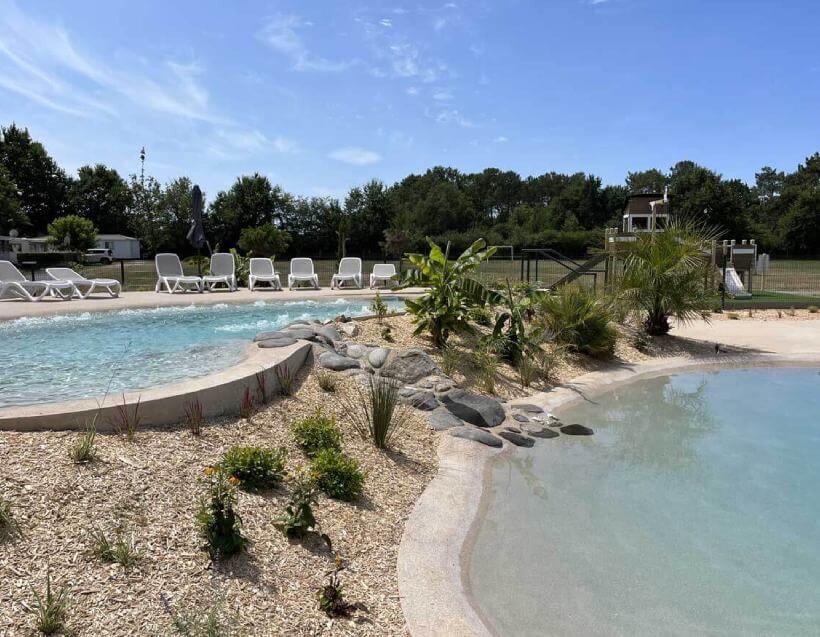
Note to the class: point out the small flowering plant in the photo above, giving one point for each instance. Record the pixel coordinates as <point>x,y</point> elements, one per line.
<point>219,524</point>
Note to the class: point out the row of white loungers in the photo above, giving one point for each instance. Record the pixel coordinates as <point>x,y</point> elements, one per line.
<point>171,278</point>
<point>64,284</point>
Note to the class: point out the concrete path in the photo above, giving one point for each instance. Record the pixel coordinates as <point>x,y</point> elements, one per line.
<point>12,309</point>
<point>780,336</point>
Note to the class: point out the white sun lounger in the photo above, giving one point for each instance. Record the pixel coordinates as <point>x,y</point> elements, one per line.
<point>223,270</point>
<point>301,271</point>
<point>14,285</point>
<point>350,271</point>
<point>261,271</point>
<point>382,273</point>
<point>84,287</point>
<point>171,277</point>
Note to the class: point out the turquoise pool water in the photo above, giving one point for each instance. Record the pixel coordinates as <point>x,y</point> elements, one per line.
<point>74,356</point>
<point>694,510</point>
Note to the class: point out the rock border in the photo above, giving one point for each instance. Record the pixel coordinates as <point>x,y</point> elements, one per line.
<point>440,532</point>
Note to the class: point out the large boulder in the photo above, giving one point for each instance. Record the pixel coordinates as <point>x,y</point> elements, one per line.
<point>306,333</point>
<point>409,366</point>
<point>350,329</point>
<point>330,334</point>
<point>423,400</point>
<point>265,336</point>
<point>481,411</point>
<point>378,357</point>
<point>336,362</point>
<point>441,419</point>
<point>476,435</point>
<point>356,350</point>
<point>279,341</point>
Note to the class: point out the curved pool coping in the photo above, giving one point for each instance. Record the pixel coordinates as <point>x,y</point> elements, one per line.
<point>440,532</point>
<point>220,394</point>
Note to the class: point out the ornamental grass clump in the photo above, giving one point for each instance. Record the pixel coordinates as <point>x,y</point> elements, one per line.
<point>50,609</point>
<point>219,523</point>
<point>255,467</point>
<point>574,317</point>
<point>317,432</point>
<point>326,381</point>
<point>120,551</point>
<point>376,412</point>
<point>83,451</point>
<point>9,528</point>
<point>337,475</point>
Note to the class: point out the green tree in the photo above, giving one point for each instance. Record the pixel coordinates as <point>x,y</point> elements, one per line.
<point>802,224</point>
<point>369,210</point>
<point>72,233</point>
<point>42,185</point>
<point>148,219</point>
<point>101,195</point>
<point>646,181</point>
<point>11,216</point>
<point>176,208</point>
<point>265,241</point>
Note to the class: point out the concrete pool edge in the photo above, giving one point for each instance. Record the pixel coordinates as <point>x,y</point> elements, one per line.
<point>219,394</point>
<point>439,534</point>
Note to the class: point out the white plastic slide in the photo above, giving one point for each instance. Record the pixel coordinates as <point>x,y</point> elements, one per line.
<point>734,285</point>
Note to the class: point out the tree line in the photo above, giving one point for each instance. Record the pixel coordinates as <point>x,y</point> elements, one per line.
<point>565,211</point>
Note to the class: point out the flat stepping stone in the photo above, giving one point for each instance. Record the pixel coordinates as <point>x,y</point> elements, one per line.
<point>515,430</point>
<point>378,356</point>
<point>281,341</point>
<point>336,362</point>
<point>521,418</point>
<point>474,409</point>
<point>576,430</point>
<point>441,419</point>
<point>517,439</point>
<point>543,432</point>
<point>476,435</point>
<point>423,400</point>
<point>529,408</point>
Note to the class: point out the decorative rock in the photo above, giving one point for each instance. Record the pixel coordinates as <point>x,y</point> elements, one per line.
<point>423,400</point>
<point>342,318</point>
<point>350,329</point>
<point>378,356</point>
<point>542,432</point>
<point>477,410</point>
<point>281,341</point>
<point>265,336</point>
<point>521,418</point>
<point>306,333</point>
<point>409,366</point>
<point>517,439</point>
<point>426,384</point>
<point>515,430</point>
<point>406,392</point>
<point>444,386</point>
<point>576,430</point>
<point>441,419</point>
<point>476,435</point>
<point>356,350</point>
<point>328,333</point>
<point>336,362</point>
<point>526,407</point>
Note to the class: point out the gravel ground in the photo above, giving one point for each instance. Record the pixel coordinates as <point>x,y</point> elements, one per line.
<point>151,487</point>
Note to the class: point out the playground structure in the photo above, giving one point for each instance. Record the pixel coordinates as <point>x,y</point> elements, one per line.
<point>730,267</point>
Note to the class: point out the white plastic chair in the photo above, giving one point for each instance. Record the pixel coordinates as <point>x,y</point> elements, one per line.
<point>171,277</point>
<point>350,270</point>
<point>382,273</point>
<point>85,287</point>
<point>14,285</point>
<point>223,270</point>
<point>301,271</point>
<point>261,271</point>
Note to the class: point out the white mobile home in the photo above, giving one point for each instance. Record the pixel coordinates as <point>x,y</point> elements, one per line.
<point>121,246</point>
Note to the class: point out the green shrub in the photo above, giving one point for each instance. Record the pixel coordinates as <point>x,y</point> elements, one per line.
<point>255,467</point>
<point>317,432</point>
<point>379,308</point>
<point>83,452</point>
<point>298,518</point>
<point>578,320</point>
<point>485,362</point>
<point>812,309</point>
<point>219,524</point>
<point>327,381</point>
<point>337,475</point>
<point>481,316</point>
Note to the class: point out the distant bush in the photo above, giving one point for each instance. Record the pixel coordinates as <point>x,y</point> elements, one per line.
<point>577,319</point>
<point>255,467</point>
<point>317,432</point>
<point>337,475</point>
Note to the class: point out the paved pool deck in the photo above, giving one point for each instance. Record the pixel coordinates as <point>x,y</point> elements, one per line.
<point>438,536</point>
<point>13,309</point>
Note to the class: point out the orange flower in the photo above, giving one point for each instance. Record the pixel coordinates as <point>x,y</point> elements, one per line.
<point>234,481</point>
<point>209,471</point>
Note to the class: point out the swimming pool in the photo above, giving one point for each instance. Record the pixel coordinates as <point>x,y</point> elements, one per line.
<point>693,510</point>
<point>66,357</point>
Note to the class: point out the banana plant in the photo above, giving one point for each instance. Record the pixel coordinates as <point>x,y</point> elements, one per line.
<point>452,289</point>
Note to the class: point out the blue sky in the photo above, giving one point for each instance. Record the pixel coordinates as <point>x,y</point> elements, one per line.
<point>321,96</point>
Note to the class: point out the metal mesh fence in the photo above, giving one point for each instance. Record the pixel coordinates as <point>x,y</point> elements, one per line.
<point>786,283</point>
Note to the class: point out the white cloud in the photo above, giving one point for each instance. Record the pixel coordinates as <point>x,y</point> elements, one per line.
<point>442,96</point>
<point>355,156</point>
<point>453,116</point>
<point>386,22</point>
<point>282,35</point>
<point>412,90</point>
<point>501,139</point>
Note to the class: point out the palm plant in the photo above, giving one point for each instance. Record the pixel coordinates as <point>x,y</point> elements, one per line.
<point>453,292</point>
<point>510,333</point>
<point>664,275</point>
<point>578,320</point>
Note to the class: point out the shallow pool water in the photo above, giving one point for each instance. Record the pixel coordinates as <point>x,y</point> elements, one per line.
<point>693,510</point>
<point>65,357</point>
